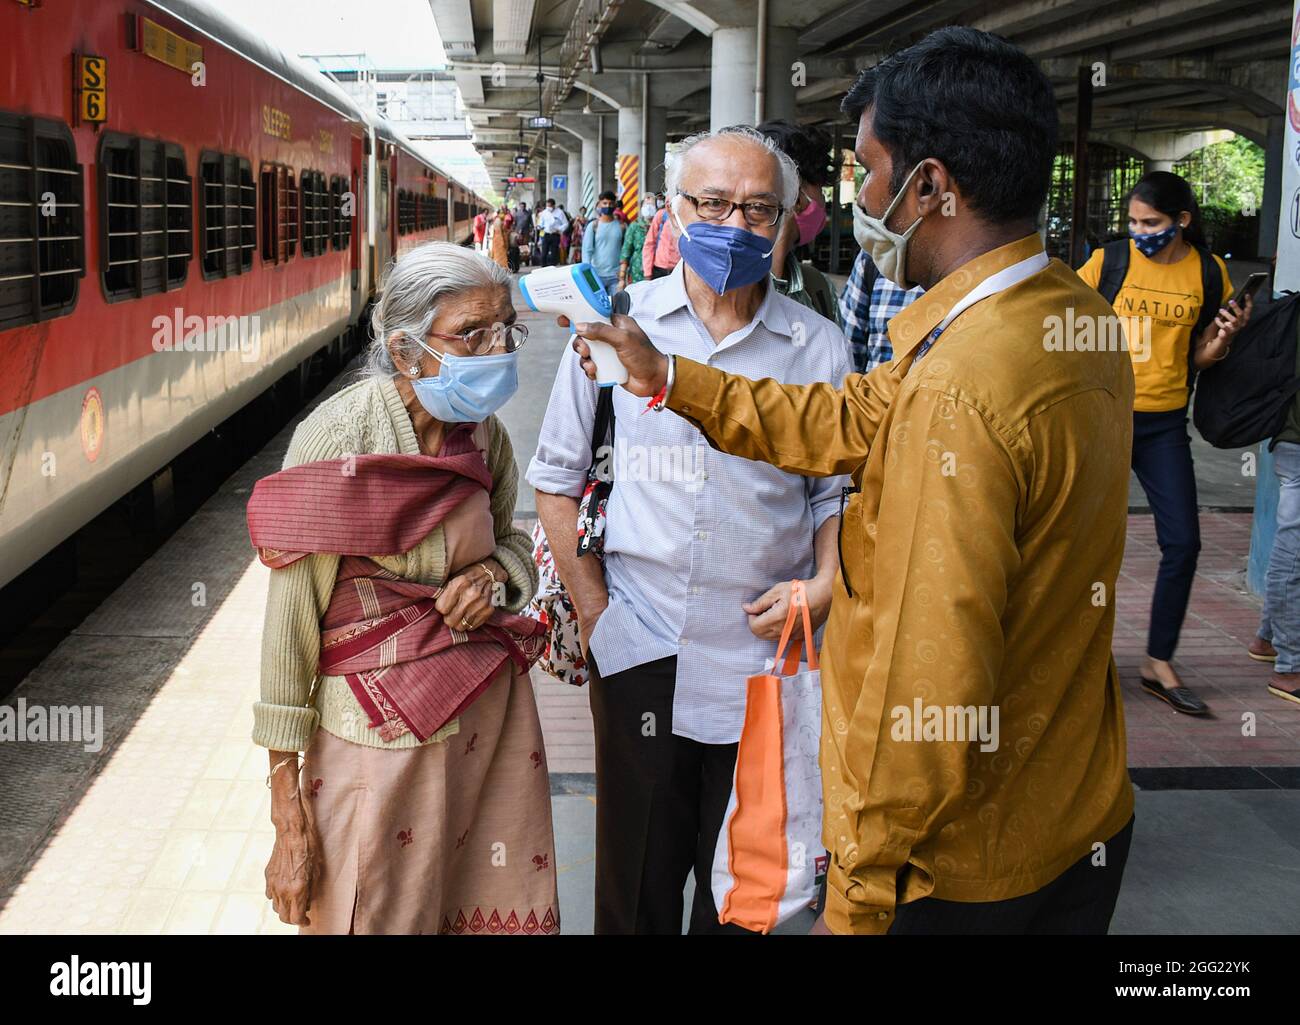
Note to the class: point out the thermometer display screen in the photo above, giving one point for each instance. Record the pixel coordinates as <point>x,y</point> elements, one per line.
<point>591,280</point>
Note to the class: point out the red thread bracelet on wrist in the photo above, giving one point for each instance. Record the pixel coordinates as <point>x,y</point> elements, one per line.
<point>656,401</point>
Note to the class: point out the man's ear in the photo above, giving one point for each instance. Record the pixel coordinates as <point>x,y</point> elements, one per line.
<point>935,190</point>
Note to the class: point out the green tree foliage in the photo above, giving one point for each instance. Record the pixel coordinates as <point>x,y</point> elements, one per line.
<point>1228,175</point>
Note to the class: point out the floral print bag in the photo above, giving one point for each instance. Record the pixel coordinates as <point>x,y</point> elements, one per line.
<point>551,605</point>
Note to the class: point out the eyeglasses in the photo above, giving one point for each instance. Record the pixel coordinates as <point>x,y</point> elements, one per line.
<point>715,208</point>
<point>480,342</point>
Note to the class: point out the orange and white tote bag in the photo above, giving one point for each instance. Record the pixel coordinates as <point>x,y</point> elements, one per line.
<point>769,859</point>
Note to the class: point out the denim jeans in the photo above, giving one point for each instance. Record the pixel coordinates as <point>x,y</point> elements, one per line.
<point>1280,622</point>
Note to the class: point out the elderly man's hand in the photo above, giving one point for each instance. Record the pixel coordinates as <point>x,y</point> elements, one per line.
<point>647,367</point>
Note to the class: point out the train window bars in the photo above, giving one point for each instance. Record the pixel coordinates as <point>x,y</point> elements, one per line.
<point>340,222</point>
<point>146,216</point>
<point>228,211</point>
<point>42,234</point>
<point>315,214</point>
<point>279,213</point>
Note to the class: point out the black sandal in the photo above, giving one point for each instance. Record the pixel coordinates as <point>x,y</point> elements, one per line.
<point>1181,698</point>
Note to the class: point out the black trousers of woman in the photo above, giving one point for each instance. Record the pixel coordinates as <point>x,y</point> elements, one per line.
<point>1162,460</point>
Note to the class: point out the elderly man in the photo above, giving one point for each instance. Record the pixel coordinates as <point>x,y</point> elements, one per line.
<point>698,567</point>
<point>974,763</point>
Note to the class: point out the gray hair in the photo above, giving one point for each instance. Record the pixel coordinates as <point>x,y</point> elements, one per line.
<point>417,282</point>
<point>787,169</point>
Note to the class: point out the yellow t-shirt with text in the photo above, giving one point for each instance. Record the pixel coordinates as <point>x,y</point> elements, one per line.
<point>1167,297</point>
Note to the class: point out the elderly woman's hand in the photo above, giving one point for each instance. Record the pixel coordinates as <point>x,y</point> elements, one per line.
<point>294,865</point>
<point>465,601</point>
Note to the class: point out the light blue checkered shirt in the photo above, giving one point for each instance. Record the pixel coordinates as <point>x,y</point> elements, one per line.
<point>682,555</point>
<point>866,314</point>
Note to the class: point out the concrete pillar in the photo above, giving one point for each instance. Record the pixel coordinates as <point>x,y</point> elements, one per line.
<point>1272,200</point>
<point>731,93</point>
<point>1159,165</point>
<point>782,52</point>
<point>590,174</point>
<point>574,199</point>
<point>652,165</point>
<point>627,185</point>
<point>609,154</point>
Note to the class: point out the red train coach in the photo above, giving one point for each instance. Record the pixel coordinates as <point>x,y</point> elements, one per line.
<point>185,218</point>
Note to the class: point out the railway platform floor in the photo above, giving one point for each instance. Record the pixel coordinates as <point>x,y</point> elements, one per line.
<point>166,829</point>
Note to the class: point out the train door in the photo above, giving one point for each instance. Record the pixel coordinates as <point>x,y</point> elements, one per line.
<point>355,185</point>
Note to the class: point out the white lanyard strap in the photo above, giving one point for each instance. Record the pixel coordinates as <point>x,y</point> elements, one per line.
<point>992,285</point>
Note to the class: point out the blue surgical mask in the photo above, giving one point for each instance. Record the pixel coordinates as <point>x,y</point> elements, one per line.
<point>724,256</point>
<point>468,389</point>
<point>1149,245</point>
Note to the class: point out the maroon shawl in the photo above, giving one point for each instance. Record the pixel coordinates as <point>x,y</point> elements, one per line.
<point>407,668</point>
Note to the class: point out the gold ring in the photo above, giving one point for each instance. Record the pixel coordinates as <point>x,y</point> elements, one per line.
<point>464,622</point>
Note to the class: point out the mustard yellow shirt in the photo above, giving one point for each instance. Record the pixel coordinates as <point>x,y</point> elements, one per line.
<point>982,553</point>
<point>1160,302</point>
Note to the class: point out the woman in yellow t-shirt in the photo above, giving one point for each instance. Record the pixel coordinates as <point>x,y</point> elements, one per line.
<point>1159,304</point>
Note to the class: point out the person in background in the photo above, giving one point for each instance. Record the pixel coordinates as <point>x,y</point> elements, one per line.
<point>699,562</point>
<point>631,267</point>
<point>576,229</point>
<point>392,653</point>
<point>800,280</point>
<point>550,224</point>
<point>480,229</point>
<point>867,305</point>
<point>500,229</point>
<point>565,235</point>
<point>993,503</point>
<point>659,255</point>
<point>1278,638</point>
<point>1166,250</point>
<point>602,242</point>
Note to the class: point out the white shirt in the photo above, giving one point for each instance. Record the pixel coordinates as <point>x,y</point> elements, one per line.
<point>552,220</point>
<point>682,552</point>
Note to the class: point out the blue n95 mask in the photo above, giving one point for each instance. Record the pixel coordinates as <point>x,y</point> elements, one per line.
<point>725,257</point>
<point>468,389</point>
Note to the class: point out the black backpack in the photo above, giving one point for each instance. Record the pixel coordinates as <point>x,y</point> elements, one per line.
<point>1244,399</point>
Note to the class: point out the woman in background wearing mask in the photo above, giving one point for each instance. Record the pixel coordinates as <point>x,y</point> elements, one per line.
<point>799,279</point>
<point>1166,250</point>
<point>403,674</point>
<point>602,242</point>
<point>632,268</point>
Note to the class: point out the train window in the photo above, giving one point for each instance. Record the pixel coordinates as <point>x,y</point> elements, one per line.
<point>315,214</point>
<point>340,220</point>
<point>279,213</point>
<point>146,216</point>
<point>439,211</point>
<point>42,241</point>
<point>383,198</point>
<point>247,215</point>
<point>228,210</point>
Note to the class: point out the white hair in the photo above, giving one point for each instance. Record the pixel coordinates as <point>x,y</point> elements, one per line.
<point>417,282</point>
<point>787,169</point>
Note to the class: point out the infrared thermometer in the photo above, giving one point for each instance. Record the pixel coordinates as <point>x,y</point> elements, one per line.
<point>574,291</point>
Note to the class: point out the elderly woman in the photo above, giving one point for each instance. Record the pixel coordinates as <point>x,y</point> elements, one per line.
<point>391,654</point>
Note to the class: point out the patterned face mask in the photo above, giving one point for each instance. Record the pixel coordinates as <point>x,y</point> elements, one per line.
<point>1149,245</point>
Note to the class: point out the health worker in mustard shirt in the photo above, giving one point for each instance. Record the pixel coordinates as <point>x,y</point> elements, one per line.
<point>1161,306</point>
<point>973,758</point>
